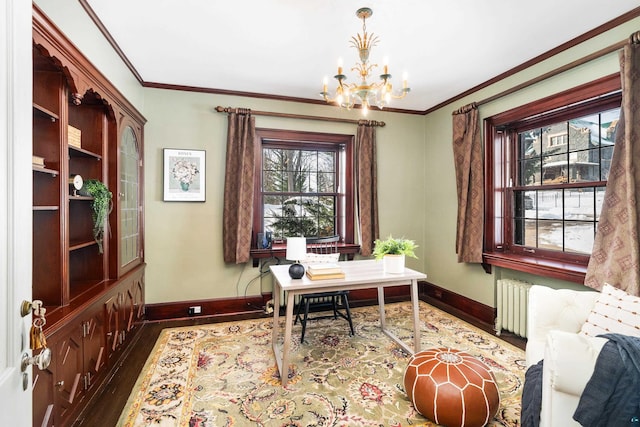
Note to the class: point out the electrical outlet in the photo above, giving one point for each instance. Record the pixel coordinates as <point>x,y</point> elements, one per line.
<point>196,309</point>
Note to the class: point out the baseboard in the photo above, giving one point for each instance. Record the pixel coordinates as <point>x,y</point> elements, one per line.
<point>456,304</point>
<point>254,306</point>
<point>208,308</point>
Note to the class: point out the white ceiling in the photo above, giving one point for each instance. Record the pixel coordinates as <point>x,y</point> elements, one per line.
<point>286,47</point>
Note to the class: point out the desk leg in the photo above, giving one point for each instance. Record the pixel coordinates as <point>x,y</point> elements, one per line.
<point>383,321</point>
<point>416,316</point>
<point>288,326</point>
<point>275,332</point>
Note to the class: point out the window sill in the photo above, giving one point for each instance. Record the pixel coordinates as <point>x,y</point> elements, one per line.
<point>539,266</point>
<point>349,250</point>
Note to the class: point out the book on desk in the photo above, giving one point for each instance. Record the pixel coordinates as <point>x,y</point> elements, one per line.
<point>324,271</point>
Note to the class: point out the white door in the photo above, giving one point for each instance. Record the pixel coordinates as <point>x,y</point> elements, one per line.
<point>15,209</point>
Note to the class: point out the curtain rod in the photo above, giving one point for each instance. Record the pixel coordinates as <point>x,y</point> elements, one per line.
<point>220,109</point>
<point>556,71</point>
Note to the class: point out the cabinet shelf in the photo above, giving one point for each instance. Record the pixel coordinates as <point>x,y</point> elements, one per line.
<point>74,246</point>
<point>42,169</point>
<point>39,109</point>
<point>81,152</point>
<point>45,208</point>
<point>80,198</point>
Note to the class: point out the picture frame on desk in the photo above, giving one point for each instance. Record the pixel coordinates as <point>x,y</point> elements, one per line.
<point>184,173</point>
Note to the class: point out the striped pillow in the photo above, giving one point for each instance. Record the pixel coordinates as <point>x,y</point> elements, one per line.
<point>615,311</point>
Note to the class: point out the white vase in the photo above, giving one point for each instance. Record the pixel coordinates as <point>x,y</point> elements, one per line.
<point>393,264</point>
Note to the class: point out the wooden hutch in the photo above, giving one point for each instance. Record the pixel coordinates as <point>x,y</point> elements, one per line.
<point>94,296</point>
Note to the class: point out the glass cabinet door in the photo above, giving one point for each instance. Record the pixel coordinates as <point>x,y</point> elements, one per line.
<point>129,198</point>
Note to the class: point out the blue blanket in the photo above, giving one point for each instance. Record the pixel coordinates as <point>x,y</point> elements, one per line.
<point>531,396</point>
<point>611,398</point>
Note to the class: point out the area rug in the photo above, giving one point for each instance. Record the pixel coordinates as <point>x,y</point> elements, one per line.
<point>225,374</point>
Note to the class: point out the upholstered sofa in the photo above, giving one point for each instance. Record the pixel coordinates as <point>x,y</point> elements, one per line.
<point>555,316</point>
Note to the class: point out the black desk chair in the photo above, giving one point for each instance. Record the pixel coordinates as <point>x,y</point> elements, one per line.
<point>323,250</point>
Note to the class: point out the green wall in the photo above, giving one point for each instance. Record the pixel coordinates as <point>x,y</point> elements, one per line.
<point>417,194</point>
<point>184,240</point>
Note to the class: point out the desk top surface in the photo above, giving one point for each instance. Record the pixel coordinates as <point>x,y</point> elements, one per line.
<point>356,272</point>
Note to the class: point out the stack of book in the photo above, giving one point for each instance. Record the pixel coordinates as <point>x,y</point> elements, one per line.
<point>324,271</point>
<point>38,161</point>
<point>74,136</point>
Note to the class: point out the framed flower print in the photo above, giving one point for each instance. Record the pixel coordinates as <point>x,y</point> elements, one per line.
<point>184,175</point>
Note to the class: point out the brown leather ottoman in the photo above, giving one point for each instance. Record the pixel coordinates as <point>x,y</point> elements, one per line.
<point>452,388</point>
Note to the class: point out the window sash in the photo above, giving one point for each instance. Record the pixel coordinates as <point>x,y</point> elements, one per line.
<point>337,192</point>
<point>503,164</point>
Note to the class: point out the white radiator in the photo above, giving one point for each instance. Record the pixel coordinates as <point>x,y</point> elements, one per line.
<point>512,301</point>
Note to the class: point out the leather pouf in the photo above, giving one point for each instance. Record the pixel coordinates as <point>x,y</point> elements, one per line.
<point>452,388</point>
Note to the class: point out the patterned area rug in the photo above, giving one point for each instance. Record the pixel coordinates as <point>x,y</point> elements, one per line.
<point>225,374</point>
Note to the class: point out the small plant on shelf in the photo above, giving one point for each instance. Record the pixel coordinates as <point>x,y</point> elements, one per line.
<point>100,205</point>
<point>391,246</point>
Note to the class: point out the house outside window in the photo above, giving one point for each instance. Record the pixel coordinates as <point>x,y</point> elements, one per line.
<point>304,186</point>
<point>548,163</point>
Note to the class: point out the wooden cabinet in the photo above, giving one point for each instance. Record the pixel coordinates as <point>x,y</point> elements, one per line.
<point>93,290</point>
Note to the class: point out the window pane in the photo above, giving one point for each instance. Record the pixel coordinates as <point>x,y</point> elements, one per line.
<point>605,163</point>
<point>609,123</point>
<point>530,172</point>
<point>555,139</point>
<point>578,236</point>
<point>529,144</point>
<point>525,232</point>
<point>599,201</point>
<point>327,161</point>
<point>272,159</point>
<point>579,204</point>
<point>550,235</point>
<point>326,183</point>
<point>550,204</point>
<point>554,169</point>
<point>273,181</point>
<point>584,165</point>
<point>525,204</point>
<point>584,132</point>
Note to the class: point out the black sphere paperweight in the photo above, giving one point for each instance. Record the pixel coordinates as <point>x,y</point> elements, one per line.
<point>296,271</point>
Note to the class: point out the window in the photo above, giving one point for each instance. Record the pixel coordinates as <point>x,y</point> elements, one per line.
<point>303,185</point>
<point>548,164</point>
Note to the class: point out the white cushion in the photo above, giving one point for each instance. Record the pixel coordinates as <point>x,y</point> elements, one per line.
<point>313,258</point>
<point>554,309</point>
<point>615,311</point>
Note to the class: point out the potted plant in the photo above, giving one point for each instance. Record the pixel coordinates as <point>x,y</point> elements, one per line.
<point>100,205</point>
<point>393,252</point>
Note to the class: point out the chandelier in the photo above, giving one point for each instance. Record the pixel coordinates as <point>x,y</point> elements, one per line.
<point>366,94</point>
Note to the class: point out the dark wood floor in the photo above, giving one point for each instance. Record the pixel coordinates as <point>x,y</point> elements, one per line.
<point>106,406</point>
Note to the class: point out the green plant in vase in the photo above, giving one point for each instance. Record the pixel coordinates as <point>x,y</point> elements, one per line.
<point>100,205</point>
<point>392,246</point>
<point>393,252</point>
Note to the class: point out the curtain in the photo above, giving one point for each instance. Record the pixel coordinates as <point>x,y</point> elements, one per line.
<point>366,185</point>
<point>615,255</point>
<point>467,153</point>
<point>238,186</point>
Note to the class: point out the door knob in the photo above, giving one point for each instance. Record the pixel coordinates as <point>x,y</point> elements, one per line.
<point>41,360</point>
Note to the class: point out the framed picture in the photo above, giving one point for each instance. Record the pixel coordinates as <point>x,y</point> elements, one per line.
<point>184,175</point>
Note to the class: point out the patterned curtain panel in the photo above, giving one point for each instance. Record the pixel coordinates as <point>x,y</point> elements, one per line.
<point>615,255</point>
<point>467,153</point>
<point>366,185</point>
<point>238,187</point>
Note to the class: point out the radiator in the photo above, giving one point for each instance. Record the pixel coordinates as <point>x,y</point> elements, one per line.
<point>512,301</point>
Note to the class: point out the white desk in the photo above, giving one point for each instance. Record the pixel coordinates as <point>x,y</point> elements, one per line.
<point>358,275</point>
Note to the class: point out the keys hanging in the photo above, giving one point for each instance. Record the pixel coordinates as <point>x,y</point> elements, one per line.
<point>37,339</point>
